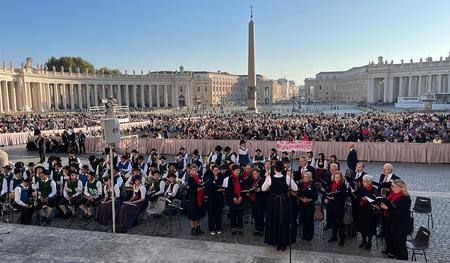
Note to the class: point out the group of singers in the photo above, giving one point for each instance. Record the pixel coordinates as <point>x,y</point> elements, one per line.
<point>278,198</point>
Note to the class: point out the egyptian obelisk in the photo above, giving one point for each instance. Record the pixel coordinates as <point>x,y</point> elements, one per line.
<point>251,79</point>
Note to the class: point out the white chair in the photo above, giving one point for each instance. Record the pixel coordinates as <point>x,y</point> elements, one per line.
<point>157,210</point>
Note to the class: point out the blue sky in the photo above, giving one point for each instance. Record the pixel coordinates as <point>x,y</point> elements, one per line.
<point>294,38</point>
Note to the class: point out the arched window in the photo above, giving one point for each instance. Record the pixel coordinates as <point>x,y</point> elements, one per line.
<point>181,89</point>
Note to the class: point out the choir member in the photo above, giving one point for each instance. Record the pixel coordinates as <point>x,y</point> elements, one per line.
<point>267,171</point>
<point>105,207</point>
<point>310,159</point>
<point>22,201</point>
<point>136,173</point>
<point>333,159</point>
<point>321,162</point>
<point>157,187</point>
<point>259,159</point>
<point>215,157</point>
<point>355,182</point>
<point>196,200</point>
<point>71,195</point>
<point>278,208</point>
<point>130,209</point>
<point>57,175</point>
<point>258,200</point>
<point>307,196</point>
<point>386,178</point>
<point>397,220</point>
<point>47,194</point>
<point>352,157</point>
<point>366,220</point>
<point>214,189</point>
<point>243,154</point>
<point>230,157</point>
<point>163,167</point>
<point>234,199</point>
<point>171,188</point>
<point>273,155</point>
<point>335,199</point>
<point>305,167</point>
<point>92,195</point>
<point>16,181</point>
<point>124,166</point>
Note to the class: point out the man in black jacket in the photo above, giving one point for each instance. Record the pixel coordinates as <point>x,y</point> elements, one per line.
<point>352,157</point>
<point>40,143</point>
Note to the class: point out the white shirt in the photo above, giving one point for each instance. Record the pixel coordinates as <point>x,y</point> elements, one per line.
<point>162,185</point>
<point>4,187</point>
<point>17,193</point>
<point>52,185</point>
<point>358,175</point>
<point>99,190</point>
<point>174,190</point>
<point>143,192</point>
<point>78,190</point>
<point>290,182</point>
<point>116,192</point>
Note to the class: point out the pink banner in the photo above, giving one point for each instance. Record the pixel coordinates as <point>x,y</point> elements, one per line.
<point>298,146</point>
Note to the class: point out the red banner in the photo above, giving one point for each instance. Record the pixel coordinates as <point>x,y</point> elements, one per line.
<point>298,146</point>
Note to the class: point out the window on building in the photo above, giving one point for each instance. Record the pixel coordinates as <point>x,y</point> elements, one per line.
<point>206,89</point>
<point>320,87</point>
<point>181,89</point>
<point>198,88</point>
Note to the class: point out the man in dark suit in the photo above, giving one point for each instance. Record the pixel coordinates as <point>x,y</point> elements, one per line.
<point>305,167</point>
<point>40,143</point>
<point>355,182</point>
<point>384,188</point>
<point>352,157</point>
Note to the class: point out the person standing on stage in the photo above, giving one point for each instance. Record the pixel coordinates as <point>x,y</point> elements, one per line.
<point>214,190</point>
<point>397,220</point>
<point>196,200</point>
<point>258,199</point>
<point>335,199</point>
<point>366,220</point>
<point>278,208</point>
<point>307,196</point>
<point>234,198</point>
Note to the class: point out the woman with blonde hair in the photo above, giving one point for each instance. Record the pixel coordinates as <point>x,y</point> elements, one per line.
<point>397,220</point>
<point>335,199</point>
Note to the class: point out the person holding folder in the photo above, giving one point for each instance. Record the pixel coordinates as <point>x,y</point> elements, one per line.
<point>335,199</point>
<point>397,214</point>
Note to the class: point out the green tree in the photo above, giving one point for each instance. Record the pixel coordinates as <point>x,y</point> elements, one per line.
<point>69,62</point>
<point>107,70</point>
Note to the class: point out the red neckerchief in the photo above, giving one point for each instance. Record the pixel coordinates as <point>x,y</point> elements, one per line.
<point>334,186</point>
<point>200,193</point>
<point>392,198</point>
<point>306,185</point>
<point>368,188</point>
<point>237,186</point>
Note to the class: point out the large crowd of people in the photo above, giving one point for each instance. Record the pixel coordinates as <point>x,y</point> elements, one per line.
<point>369,126</point>
<point>279,198</point>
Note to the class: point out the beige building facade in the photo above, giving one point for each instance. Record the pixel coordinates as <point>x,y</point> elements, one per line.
<point>40,89</point>
<point>383,82</point>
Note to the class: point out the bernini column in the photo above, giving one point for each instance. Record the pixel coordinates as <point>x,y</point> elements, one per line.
<point>157,97</point>
<point>448,83</point>
<point>5,93</point>
<point>1,100</point>
<point>95,94</point>
<point>150,95</point>
<point>72,96</point>
<point>88,96</point>
<point>12,96</point>
<point>420,90</point>
<point>80,97</point>
<point>127,95</point>
<point>119,95</point>
<point>438,84</point>
<point>134,95</point>
<point>400,87</point>
<point>142,96</point>
<point>410,86</point>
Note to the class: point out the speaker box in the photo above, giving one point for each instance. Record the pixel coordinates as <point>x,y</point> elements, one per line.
<point>111,130</point>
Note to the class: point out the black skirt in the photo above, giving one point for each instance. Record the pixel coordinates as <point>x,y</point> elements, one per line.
<point>277,221</point>
<point>195,211</point>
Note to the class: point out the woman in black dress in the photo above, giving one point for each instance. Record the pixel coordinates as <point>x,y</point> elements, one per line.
<point>366,220</point>
<point>258,199</point>
<point>234,199</point>
<point>335,199</point>
<point>307,196</point>
<point>397,220</point>
<point>278,208</point>
<point>214,190</point>
<point>196,200</point>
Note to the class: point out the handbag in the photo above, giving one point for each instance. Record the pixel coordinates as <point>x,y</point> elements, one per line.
<point>318,214</point>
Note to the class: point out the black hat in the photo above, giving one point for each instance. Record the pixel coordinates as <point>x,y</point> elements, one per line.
<point>28,179</point>
<point>19,165</point>
<point>182,148</point>
<point>17,170</point>
<point>171,175</point>
<point>258,150</point>
<point>91,173</point>
<point>227,149</point>
<point>7,167</point>
<point>218,148</point>
<point>163,158</point>
<point>92,158</point>
<point>153,150</point>
<point>242,142</point>
<point>333,156</point>
<point>285,160</point>
<point>101,159</point>
<point>31,164</point>
<point>156,172</point>
<point>223,167</point>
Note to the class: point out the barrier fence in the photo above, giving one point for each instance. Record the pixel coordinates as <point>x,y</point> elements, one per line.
<point>367,151</point>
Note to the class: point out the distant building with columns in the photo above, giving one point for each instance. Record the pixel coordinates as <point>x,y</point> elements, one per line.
<point>40,89</point>
<point>383,82</point>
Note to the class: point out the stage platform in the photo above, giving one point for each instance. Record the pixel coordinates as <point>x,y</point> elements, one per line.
<point>47,244</point>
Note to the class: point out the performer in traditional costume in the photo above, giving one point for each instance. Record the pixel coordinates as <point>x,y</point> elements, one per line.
<point>278,208</point>
<point>130,209</point>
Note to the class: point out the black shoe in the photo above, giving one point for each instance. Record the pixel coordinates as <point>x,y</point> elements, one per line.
<point>193,232</point>
<point>233,233</point>
<point>363,244</point>
<point>341,242</point>
<point>198,231</point>
<point>333,239</point>
<point>384,252</point>
<point>368,246</point>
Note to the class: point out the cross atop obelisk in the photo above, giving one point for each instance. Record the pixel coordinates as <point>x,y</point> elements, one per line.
<point>251,78</point>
